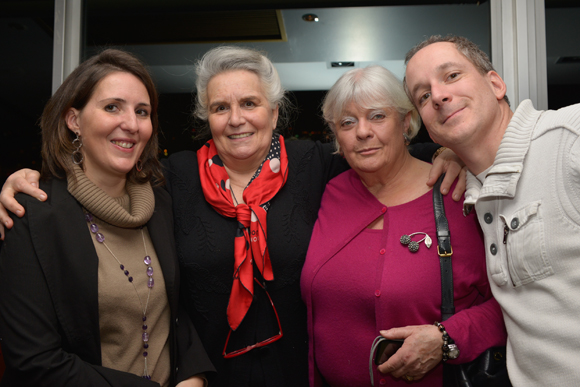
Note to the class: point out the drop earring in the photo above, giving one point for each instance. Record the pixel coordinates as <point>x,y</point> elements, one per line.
<point>77,155</point>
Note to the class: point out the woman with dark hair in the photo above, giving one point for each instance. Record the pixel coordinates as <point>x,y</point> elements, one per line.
<point>89,279</point>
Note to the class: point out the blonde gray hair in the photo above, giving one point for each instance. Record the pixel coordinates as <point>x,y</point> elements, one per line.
<point>230,58</point>
<point>373,87</point>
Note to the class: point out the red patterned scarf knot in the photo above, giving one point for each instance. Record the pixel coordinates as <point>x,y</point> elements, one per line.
<point>250,243</point>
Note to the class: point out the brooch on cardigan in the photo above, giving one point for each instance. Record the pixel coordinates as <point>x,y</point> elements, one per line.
<point>414,245</point>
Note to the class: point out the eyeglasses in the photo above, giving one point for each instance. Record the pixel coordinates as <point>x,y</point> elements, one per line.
<point>261,343</point>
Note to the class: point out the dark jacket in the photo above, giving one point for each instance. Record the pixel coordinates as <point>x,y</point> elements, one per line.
<point>49,315</point>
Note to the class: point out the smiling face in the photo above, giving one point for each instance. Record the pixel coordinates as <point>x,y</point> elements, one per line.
<point>115,126</point>
<point>371,139</point>
<point>240,118</point>
<point>457,103</point>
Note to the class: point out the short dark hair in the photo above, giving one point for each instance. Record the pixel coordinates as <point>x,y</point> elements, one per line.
<point>75,92</point>
<point>465,46</point>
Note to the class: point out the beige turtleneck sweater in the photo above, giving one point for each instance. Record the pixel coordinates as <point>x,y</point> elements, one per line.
<point>121,303</point>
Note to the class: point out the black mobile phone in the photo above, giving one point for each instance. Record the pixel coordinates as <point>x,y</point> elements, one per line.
<point>387,348</point>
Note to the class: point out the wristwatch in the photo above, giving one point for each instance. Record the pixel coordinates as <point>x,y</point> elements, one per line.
<point>453,351</point>
<point>450,349</point>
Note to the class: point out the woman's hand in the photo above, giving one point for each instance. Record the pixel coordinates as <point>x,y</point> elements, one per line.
<point>194,381</point>
<point>448,162</point>
<point>420,353</point>
<point>24,180</point>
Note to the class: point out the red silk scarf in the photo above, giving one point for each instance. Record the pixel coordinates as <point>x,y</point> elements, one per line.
<point>250,244</point>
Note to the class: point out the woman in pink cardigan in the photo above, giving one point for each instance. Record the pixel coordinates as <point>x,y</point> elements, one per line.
<point>359,281</point>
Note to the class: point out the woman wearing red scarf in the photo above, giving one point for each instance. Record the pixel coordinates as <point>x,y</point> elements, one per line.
<point>244,208</point>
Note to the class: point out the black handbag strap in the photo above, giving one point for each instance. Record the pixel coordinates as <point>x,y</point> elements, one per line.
<point>445,252</point>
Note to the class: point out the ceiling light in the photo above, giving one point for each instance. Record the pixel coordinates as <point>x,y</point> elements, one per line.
<point>341,64</point>
<point>310,17</point>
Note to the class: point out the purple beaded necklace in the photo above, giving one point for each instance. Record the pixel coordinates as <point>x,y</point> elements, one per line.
<point>147,261</point>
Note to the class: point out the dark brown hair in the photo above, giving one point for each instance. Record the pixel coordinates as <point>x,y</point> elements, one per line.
<point>75,92</point>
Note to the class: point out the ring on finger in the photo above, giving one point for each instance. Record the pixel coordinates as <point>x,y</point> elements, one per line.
<point>408,378</point>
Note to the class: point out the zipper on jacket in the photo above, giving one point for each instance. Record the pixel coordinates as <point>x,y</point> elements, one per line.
<point>506,231</point>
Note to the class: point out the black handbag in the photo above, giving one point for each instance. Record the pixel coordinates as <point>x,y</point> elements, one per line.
<point>488,369</point>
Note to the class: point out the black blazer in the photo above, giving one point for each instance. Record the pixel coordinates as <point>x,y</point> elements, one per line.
<point>49,317</point>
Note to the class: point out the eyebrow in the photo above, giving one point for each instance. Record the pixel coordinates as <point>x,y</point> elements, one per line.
<point>441,67</point>
<point>216,103</point>
<point>251,97</point>
<point>124,101</point>
<point>446,65</point>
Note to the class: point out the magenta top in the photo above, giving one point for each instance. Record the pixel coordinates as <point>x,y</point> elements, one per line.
<point>358,281</point>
